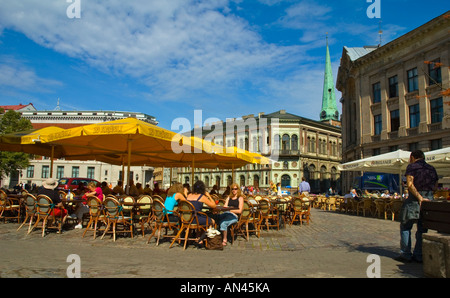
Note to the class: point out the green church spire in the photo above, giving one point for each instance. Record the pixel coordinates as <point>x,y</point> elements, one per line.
<point>329,107</point>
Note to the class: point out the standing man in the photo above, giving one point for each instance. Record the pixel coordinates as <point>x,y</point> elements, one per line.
<point>421,179</point>
<point>304,187</point>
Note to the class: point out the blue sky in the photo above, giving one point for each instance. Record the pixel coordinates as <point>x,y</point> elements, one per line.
<point>227,58</point>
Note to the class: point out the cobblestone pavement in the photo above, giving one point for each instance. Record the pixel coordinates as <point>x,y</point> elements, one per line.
<point>333,245</point>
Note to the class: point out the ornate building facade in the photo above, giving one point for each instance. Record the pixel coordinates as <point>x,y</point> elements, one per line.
<point>39,168</point>
<point>299,147</point>
<point>396,96</point>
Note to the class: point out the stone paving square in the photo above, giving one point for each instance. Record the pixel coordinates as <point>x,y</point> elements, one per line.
<point>333,245</point>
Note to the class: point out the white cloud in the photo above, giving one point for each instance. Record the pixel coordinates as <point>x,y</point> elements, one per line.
<point>172,46</point>
<point>16,74</point>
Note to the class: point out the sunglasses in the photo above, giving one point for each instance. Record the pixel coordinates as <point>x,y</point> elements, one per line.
<point>235,188</point>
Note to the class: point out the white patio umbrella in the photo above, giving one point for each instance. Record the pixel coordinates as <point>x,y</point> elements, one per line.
<point>392,162</point>
<point>440,159</point>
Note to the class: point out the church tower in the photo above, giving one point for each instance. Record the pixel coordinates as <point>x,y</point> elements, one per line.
<point>329,112</point>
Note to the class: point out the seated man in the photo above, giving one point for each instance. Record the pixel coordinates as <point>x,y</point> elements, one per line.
<point>49,189</point>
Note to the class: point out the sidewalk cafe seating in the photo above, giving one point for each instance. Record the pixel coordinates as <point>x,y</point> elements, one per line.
<point>127,209</point>
<point>160,220</point>
<point>380,207</point>
<point>394,208</point>
<point>9,207</point>
<point>330,203</point>
<point>366,205</point>
<point>242,226</point>
<point>301,209</point>
<point>30,210</point>
<point>95,215</point>
<point>144,211</point>
<point>44,211</point>
<point>114,216</point>
<point>189,222</point>
<point>269,214</point>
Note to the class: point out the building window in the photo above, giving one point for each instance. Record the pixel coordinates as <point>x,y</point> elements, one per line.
<point>393,148</point>
<point>376,92</point>
<point>434,71</point>
<point>91,173</point>
<point>414,116</point>
<point>437,110</point>
<point>285,180</point>
<point>378,124</point>
<point>294,142</point>
<point>393,87</point>
<point>413,146</point>
<point>413,82</point>
<point>285,142</point>
<point>59,172</point>
<point>436,144</point>
<point>30,171</point>
<point>75,172</point>
<point>395,120</point>
<point>45,171</point>
<point>376,151</point>
<point>333,148</point>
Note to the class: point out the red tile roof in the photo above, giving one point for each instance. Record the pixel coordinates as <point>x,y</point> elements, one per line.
<point>15,107</point>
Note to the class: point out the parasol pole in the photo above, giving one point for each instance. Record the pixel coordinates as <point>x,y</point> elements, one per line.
<point>51,161</point>
<point>129,161</point>
<point>192,170</point>
<point>232,173</point>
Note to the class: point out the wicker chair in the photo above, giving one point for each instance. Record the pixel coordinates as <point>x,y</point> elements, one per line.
<point>114,217</point>
<point>160,220</point>
<point>144,215</point>
<point>9,208</point>
<point>96,214</point>
<point>189,222</point>
<point>269,215</point>
<point>44,213</point>
<point>30,210</point>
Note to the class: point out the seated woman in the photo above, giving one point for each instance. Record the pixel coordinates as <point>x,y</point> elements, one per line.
<point>197,198</point>
<point>235,199</point>
<point>92,190</point>
<point>174,195</point>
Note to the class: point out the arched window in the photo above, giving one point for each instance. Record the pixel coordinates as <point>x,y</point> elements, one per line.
<point>242,180</point>
<point>229,180</point>
<point>285,180</point>
<point>256,180</point>
<point>285,142</point>
<point>294,142</point>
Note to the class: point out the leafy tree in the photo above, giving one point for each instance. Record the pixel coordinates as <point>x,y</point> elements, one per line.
<point>10,162</point>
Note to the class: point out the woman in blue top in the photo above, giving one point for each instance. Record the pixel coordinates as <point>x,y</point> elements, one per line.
<point>174,195</point>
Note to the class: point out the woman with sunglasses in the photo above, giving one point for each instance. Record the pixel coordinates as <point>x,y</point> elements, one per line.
<point>235,199</point>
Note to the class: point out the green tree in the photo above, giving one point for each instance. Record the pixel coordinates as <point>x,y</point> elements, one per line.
<point>10,162</point>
